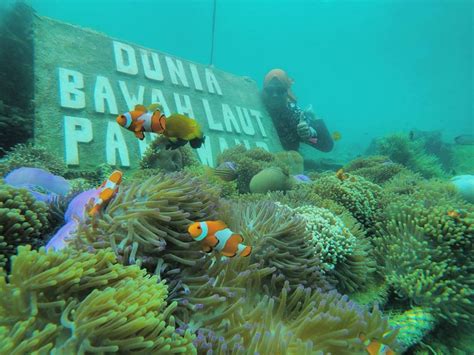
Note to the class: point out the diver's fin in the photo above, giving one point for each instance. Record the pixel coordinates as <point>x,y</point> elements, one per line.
<point>140,108</point>
<point>154,107</point>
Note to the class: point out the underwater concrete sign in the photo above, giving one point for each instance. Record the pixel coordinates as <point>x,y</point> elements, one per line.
<point>84,79</point>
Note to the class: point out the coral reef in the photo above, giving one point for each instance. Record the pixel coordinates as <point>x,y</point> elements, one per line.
<point>228,189</point>
<point>16,75</point>
<point>270,179</point>
<point>344,256</point>
<point>146,223</point>
<point>279,240</point>
<point>462,159</point>
<point>22,220</point>
<point>248,163</point>
<point>412,154</point>
<point>414,324</point>
<point>362,198</point>
<point>292,159</point>
<point>427,256</point>
<point>377,169</point>
<point>72,302</point>
<point>27,155</point>
<point>304,321</point>
<point>157,157</point>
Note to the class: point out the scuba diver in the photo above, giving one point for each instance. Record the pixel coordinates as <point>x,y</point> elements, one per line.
<point>292,123</point>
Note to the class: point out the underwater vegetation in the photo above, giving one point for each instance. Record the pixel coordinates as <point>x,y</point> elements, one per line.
<point>373,255</point>
<point>71,302</point>
<point>411,154</point>
<point>23,220</point>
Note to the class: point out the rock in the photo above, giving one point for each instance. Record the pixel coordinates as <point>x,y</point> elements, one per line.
<point>465,186</point>
<point>270,179</point>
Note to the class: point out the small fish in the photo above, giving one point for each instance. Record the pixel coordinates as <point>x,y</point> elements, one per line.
<point>216,235</point>
<point>453,214</point>
<point>374,347</point>
<point>336,136</point>
<point>107,190</point>
<point>411,135</point>
<point>464,139</point>
<point>341,175</point>
<point>227,171</point>
<point>143,119</point>
<point>180,130</point>
<point>377,348</point>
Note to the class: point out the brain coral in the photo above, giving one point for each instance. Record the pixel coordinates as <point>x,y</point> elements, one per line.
<point>22,220</point>
<point>362,198</point>
<point>72,302</point>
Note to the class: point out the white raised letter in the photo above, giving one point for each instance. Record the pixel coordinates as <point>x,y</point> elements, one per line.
<point>229,118</point>
<point>258,117</point>
<point>245,121</point>
<point>155,73</point>
<point>196,78</point>
<point>212,84</point>
<point>128,64</point>
<point>115,141</point>
<point>76,130</point>
<point>70,83</point>
<point>213,125</point>
<point>185,108</point>
<point>176,70</point>
<point>132,100</point>
<point>205,153</point>
<point>103,92</point>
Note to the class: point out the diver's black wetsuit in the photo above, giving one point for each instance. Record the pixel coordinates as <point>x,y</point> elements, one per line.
<point>286,121</point>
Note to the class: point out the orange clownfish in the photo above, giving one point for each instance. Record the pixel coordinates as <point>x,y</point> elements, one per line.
<point>216,235</point>
<point>374,347</point>
<point>107,190</point>
<point>143,119</point>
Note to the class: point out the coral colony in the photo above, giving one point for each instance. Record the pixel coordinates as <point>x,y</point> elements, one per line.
<point>256,255</point>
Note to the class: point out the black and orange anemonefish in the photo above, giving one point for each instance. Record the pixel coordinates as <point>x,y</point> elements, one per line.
<point>216,235</point>
<point>144,119</point>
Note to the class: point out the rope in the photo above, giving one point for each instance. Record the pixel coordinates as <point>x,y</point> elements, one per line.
<point>213,32</point>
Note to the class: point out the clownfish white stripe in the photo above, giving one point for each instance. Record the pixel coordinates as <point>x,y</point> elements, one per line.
<point>223,236</point>
<point>204,230</point>
<point>146,117</point>
<point>240,248</point>
<point>109,185</point>
<point>128,116</point>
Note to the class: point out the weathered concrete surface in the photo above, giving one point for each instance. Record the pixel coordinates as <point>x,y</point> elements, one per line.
<point>83,79</point>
